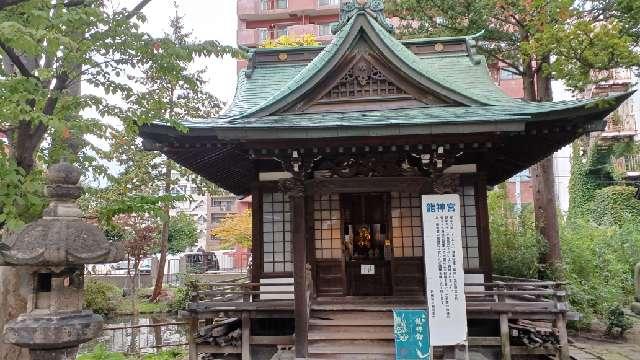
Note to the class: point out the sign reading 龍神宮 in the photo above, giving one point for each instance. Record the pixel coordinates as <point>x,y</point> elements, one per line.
<point>443,258</point>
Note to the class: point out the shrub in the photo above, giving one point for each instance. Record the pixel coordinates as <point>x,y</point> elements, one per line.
<point>617,320</point>
<point>182,296</point>
<point>515,243</point>
<point>100,353</point>
<point>615,206</point>
<point>99,297</point>
<point>171,354</point>
<point>598,266</point>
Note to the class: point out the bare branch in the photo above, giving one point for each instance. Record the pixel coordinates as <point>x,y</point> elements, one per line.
<point>136,9</point>
<point>15,59</point>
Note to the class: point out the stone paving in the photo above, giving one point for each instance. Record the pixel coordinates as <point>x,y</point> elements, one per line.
<point>594,350</point>
<point>595,346</point>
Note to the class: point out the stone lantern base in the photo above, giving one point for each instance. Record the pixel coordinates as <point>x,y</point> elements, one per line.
<point>53,336</point>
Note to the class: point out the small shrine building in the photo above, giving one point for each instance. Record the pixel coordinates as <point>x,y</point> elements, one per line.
<point>337,143</point>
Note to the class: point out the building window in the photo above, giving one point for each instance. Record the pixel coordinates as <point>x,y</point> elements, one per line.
<point>281,31</point>
<point>328,2</point>
<point>469,228</point>
<point>508,74</point>
<point>276,233</point>
<point>273,4</point>
<point>325,29</point>
<point>263,35</point>
<point>327,231</point>
<point>406,221</point>
<point>406,218</point>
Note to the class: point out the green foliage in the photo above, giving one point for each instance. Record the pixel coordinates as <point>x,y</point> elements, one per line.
<point>171,354</point>
<point>183,233</point>
<point>100,352</point>
<point>183,293</point>
<point>100,297</point>
<point>598,265</point>
<point>579,35</point>
<point>47,48</point>
<point>515,244</point>
<point>615,206</point>
<point>617,322</point>
<point>143,306</point>
<point>21,195</point>
<point>590,171</point>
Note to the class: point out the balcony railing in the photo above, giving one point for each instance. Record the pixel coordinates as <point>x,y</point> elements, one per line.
<point>258,7</point>
<point>255,37</point>
<point>627,164</point>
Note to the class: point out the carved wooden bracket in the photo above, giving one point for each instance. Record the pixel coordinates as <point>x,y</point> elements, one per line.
<point>293,187</point>
<point>446,184</point>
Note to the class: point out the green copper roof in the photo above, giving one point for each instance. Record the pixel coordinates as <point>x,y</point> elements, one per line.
<point>463,76</point>
<point>517,110</point>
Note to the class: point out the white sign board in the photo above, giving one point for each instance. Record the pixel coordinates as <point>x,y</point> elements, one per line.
<point>367,269</point>
<point>443,258</point>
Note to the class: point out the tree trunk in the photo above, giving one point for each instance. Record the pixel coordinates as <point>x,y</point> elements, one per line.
<point>537,87</point>
<point>14,292</point>
<point>544,190</point>
<point>164,238</point>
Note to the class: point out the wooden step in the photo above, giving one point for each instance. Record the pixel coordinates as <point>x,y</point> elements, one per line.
<point>339,318</point>
<point>351,333</point>
<point>350,322</point>
<point>387,300</point>
<point>362,307</point>
<point>351,357</point>
<point>352,347</point>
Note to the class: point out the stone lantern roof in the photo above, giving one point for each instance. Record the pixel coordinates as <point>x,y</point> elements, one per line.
<point>61,237</point>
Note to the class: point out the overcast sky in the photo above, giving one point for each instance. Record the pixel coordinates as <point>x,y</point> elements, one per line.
<point>207,20</point>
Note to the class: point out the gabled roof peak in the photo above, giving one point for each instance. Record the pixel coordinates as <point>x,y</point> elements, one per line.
<point>374,8</point>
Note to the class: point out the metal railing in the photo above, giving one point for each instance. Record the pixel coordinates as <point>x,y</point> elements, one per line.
<point>627,164</point>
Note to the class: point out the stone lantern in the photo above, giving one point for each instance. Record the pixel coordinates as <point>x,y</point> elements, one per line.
<point>55,249</point>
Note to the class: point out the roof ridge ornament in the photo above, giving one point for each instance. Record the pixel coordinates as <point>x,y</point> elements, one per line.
<point>373,8</point>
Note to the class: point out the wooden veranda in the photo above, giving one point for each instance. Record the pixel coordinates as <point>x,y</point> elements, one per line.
<point>507,301</point>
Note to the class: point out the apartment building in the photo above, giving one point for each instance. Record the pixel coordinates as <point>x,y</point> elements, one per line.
<point>195,204</point>
<point>219,207</point>
<point>259,20</point>
<point>623,125</point>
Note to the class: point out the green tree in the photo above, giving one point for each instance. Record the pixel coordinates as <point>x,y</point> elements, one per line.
<point>47,48</point>
<point>173,92</point>
<point>183,233</point>
<point>515,244</point>
<point>569,40</point>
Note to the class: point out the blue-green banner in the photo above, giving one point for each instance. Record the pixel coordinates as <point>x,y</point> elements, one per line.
<point>411,330</point>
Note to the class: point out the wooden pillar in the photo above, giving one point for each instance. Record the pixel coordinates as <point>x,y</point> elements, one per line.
<point>505,343</point>
<point>560,321</point>
<point>295,191</point>
<point>193,332</point>
<point>246,336</point>
<point>561,325</point>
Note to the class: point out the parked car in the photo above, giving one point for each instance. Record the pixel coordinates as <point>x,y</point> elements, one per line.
<point>144,268</point>
<point>201,261</point>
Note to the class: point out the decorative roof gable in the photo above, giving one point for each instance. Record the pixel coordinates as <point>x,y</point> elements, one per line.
<point>363,79</point>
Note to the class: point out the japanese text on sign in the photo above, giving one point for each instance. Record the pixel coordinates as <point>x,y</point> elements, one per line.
<point>411,331</point>
<point>444,269</point>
